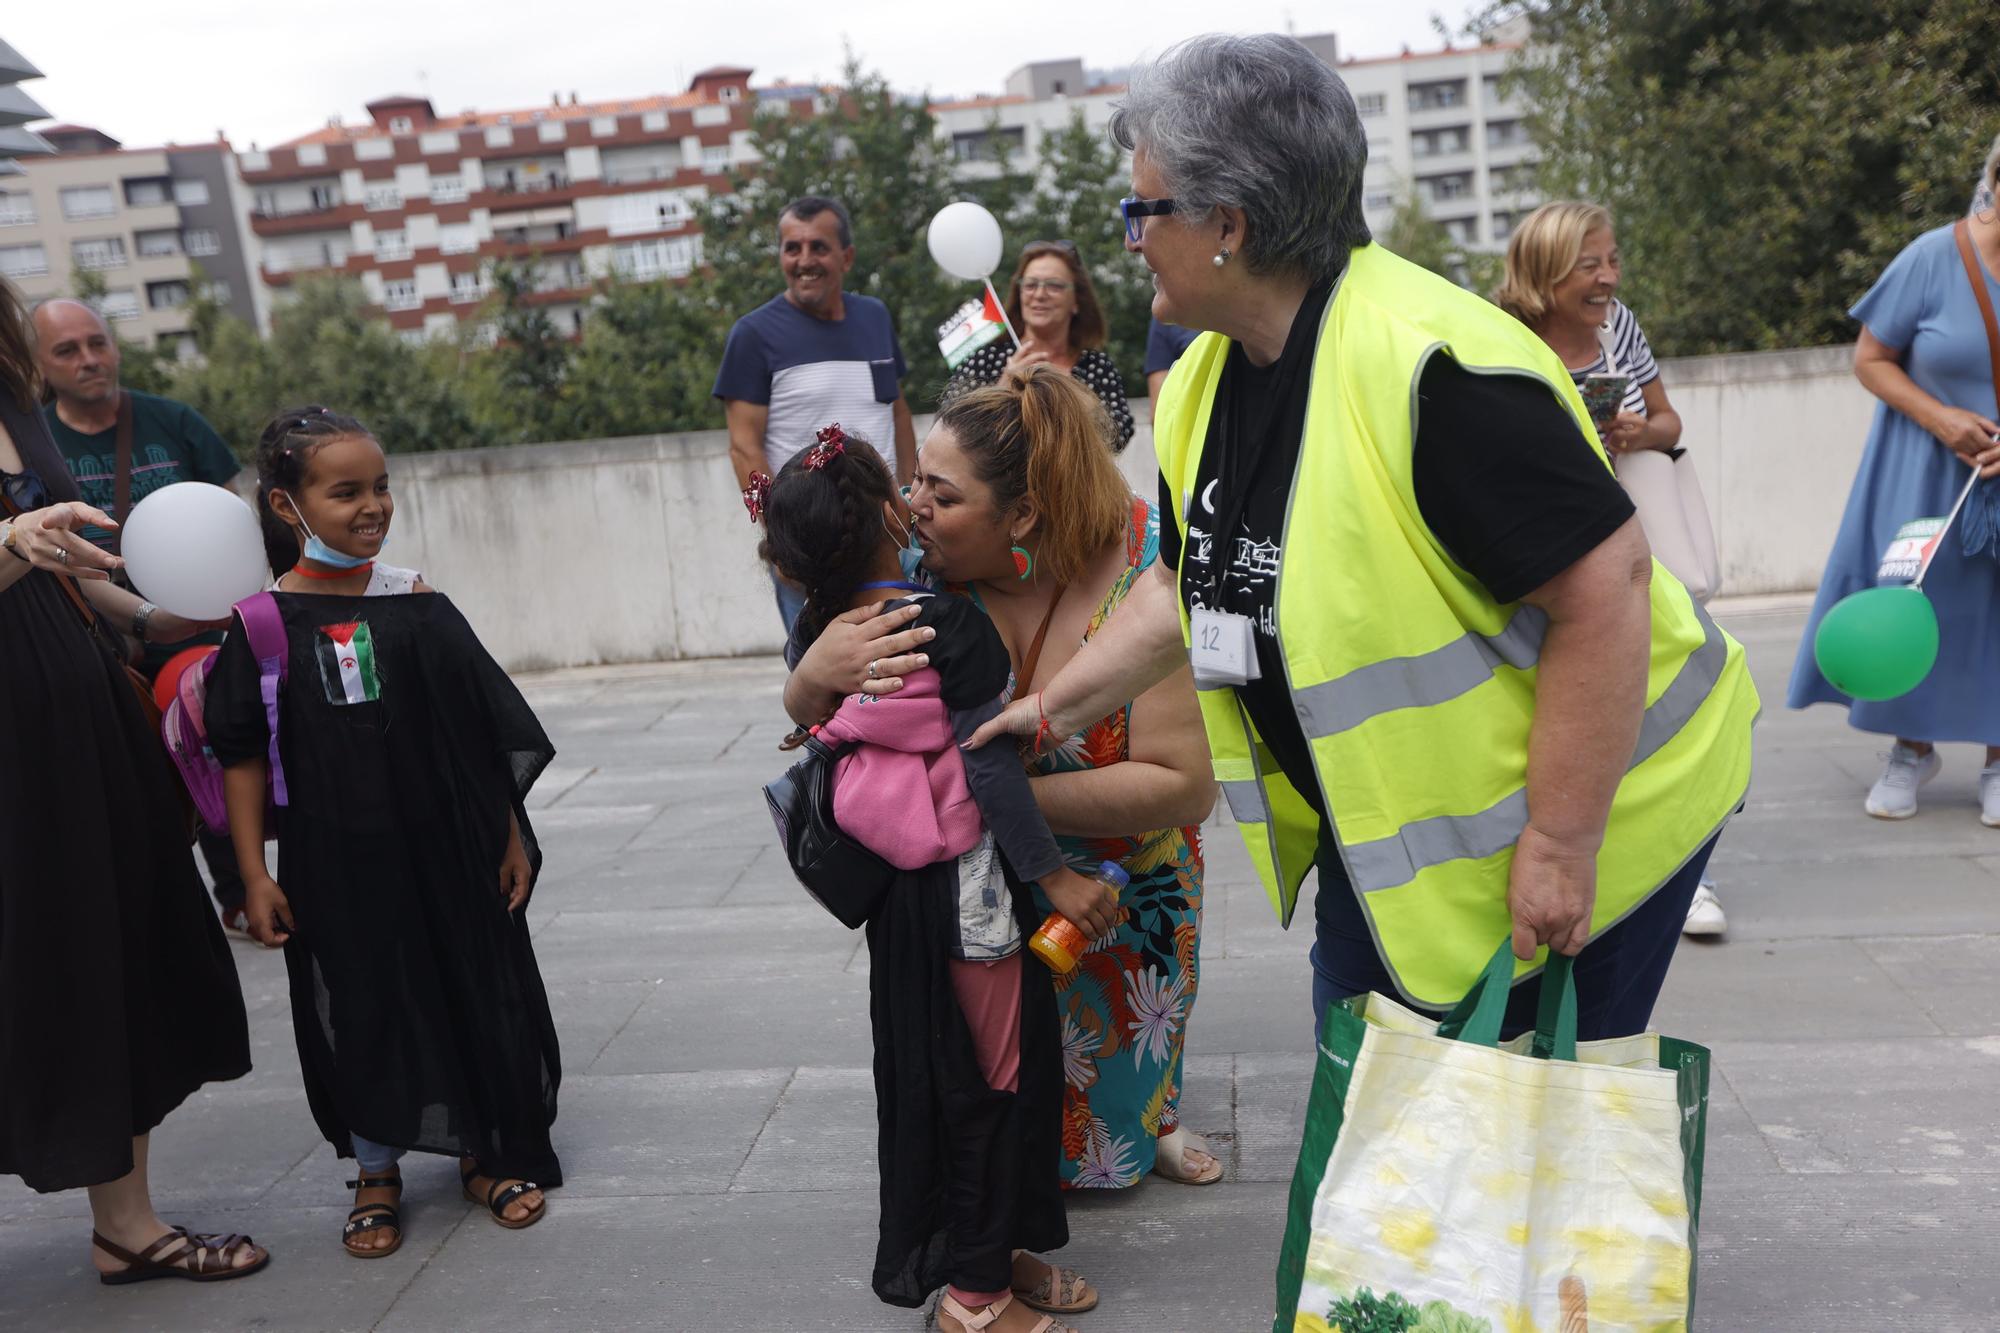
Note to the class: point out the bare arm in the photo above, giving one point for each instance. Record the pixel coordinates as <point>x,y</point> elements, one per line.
<point>265,906</point>
<point>906,442</point>
<point>1137,648</point>
<point>1168,782</point>
<point>1590,694</point>
<point>47,539</point>
<point>1663,423</point>
<point>746,422</point>
<point>1879,367</point>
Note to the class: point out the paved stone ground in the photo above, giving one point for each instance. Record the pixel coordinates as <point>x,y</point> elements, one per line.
<point>717,1114</point>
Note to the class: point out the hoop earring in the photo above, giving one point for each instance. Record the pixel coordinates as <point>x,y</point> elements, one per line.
<point>1222,256</point>
<point>1024,562</point>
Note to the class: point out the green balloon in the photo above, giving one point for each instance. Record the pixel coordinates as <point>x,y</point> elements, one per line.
<point>1878,643</point>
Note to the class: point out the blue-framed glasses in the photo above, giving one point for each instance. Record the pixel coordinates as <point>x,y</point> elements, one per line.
<point>1132,208</point>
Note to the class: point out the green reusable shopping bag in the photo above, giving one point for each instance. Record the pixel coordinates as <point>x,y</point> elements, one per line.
<point>1450,1183</point>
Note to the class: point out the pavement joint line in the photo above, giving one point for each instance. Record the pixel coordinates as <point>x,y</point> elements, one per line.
<point>1763,1142</point>
<point>639,1004</point>
<point>1930,1015</point>
<point>748,727</point>
<point>286,1174</point>
<point>626,845</point>
<point>777,1104</point>
<point>565,793</point>
<point>435,1251</point>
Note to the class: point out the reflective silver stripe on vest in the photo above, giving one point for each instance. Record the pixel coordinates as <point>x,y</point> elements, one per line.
<point>1428,678</point>
<point>1246,802</point>
<point>1388,862</point>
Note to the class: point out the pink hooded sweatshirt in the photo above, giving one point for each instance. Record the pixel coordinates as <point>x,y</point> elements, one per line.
<point>901,792</point>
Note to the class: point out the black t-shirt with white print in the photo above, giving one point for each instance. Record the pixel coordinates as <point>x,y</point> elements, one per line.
<point>1503,475</point>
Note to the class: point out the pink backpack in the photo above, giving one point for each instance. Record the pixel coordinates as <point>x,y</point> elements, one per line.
<point>187,736</point>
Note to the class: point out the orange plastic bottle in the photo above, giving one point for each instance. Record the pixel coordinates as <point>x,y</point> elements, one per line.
<point>1059,943</point>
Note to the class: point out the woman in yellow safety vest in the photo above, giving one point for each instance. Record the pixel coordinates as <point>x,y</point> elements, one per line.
<point>1434,656</point>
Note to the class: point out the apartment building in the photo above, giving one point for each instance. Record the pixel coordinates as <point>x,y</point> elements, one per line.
<point>16,110</point>
<point>1440,130</point>
<point>154,223</point>
<point>417,206</point>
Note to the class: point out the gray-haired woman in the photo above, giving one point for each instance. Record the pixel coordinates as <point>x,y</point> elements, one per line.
<point>1437,658</point>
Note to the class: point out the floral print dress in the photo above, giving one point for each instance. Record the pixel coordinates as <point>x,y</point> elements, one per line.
<point>1125,1009</point>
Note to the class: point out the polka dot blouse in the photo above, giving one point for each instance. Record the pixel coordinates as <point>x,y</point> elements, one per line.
<point>1094,368</point>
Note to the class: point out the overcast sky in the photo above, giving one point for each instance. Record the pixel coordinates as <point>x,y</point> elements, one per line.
<point>264,71</point>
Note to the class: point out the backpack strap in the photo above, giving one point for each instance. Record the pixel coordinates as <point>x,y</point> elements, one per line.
<point>264,627</point>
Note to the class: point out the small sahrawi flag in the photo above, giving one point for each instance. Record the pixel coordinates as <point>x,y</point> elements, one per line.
<point>347,663</point>
<point>971,327</point>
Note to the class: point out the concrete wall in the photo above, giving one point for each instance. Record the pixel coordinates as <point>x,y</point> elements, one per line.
<point>639,549</point>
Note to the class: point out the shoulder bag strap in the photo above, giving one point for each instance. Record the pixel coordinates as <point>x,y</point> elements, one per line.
<point>1609,347</point>
<point>1976,273</point>
<point>1034,657</point>
<point>122,482</point>
<point>264,627</point>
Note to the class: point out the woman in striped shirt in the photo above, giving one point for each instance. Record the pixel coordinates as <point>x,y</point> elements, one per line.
<point>1562,282</point>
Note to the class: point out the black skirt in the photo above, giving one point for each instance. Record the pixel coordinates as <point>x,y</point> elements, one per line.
<point>420,1014</point>
<point>118,996</point>
<point>968,1174</point>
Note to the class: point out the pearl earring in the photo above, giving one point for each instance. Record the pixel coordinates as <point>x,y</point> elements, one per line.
<point>1222,256</point>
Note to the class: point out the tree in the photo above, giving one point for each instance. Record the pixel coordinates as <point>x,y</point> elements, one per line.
<point>328,347</point>
<point>140,367</point>
<point>1765,159</point>
<point>647,360</point>
<point>1418,237</point>
<point>517,386</point>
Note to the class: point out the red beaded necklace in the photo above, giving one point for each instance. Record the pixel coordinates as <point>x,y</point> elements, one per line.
<point>304,573</point>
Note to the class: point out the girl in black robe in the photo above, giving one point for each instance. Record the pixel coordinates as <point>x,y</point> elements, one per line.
<point>404,849</point>
<point>968,1073</point>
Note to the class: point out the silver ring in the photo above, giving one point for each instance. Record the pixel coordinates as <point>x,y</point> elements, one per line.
<point>871,667</point>
<point>62,554</point>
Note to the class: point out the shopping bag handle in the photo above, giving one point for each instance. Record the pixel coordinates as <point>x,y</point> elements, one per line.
<point>1477,1017</point>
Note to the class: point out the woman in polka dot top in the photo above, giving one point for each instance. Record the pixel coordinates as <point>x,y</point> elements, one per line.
<point>1052,306</point>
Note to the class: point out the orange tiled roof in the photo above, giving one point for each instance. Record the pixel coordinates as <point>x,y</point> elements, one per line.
<point>627,106</point>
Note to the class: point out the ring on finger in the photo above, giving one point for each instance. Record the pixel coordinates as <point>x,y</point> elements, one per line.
<point>62,554</point>
<point>873,662</point>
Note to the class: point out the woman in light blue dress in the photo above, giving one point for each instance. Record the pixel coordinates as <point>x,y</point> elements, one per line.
<point>1923,352</point>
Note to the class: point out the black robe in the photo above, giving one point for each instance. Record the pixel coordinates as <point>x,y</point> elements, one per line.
<point>420,1014</point>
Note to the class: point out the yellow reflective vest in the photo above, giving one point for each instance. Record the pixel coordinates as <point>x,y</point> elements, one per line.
<point>1415,688</point>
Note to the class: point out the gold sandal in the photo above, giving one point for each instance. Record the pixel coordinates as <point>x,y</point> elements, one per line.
<point>969,1322</point>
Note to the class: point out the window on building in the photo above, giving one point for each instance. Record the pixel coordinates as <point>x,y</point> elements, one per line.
<point>987,145</point>
<point>23,261</point>
<point>1435,96</point>
<point>1503,226</point>
<point>177,346</point>
<point>1372,104</point>
<point>400,294</point>
<point>1380,200</point>
<point>665,258</point>
<point>1515,176</point>
<point>201,241</point>
<point>467,287</point>
<point>1457,185</point>
<point>1490,86</point>
<point>1432,143</point>
<point>190,193</point>
<point>457,238</point>
<point>158,244</point>
<point>447,189</point>
<point>120,304</point>
<point>80,203</point>
<point>170,295</point>
<point>381,196</point>
<point>731,93</point>
<point>1505,133</point>
<point>400,125</point>
<point>99,253</point>
<point>148,193</point>
<point>715,157</point>
<point>218,291</point>
<point>390,245</point>
<point>17,210</point>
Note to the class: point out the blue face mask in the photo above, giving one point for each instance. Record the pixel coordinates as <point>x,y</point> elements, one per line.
<point>909,555</point>
<point>320,553</point>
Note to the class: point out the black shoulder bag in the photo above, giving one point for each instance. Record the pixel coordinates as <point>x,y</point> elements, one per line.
<point>844,877</point>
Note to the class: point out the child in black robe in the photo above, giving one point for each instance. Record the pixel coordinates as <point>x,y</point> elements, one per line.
<point>404,849</point>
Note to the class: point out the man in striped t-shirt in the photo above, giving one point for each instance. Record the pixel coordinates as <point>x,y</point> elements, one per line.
<point>812,356</point>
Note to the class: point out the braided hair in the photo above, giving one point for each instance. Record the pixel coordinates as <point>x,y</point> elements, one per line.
<point>284,449</point>
<point>823,522</point>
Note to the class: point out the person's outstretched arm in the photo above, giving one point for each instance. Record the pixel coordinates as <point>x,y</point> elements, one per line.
<point>1138,647</point>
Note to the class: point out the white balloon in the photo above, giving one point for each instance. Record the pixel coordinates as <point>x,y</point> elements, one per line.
<point>965,241</point>
<point>194,549</point>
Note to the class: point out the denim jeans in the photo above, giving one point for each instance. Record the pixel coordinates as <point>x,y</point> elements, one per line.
<point>374,1158</point>
<point>791,601</point>
<point>1618,975</point>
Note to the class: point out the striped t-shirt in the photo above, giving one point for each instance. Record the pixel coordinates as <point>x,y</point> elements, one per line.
<point>815,372</point>
<point>1633,355</point>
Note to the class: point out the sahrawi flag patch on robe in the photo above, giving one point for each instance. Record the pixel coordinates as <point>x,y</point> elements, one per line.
<point>347,663</point>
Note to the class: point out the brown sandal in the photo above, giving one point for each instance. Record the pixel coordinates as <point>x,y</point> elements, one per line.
<point>181,1254</point>
<point>1062,1291</point>
<point>366,1217</point>
<point>498,1196</point>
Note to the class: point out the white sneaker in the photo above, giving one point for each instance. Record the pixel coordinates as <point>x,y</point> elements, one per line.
<point>1894,795</point>
<point>1705,917</point>
<point>1989,796</point>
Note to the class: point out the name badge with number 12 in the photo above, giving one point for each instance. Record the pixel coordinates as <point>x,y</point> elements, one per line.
<point>1222,648</point>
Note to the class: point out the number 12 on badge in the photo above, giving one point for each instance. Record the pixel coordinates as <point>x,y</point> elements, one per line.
<point>1222,648</point>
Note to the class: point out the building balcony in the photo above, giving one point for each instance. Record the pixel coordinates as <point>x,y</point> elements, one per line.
<point>274,213</point>
<point>471,295</point>
<point>18,215</point>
